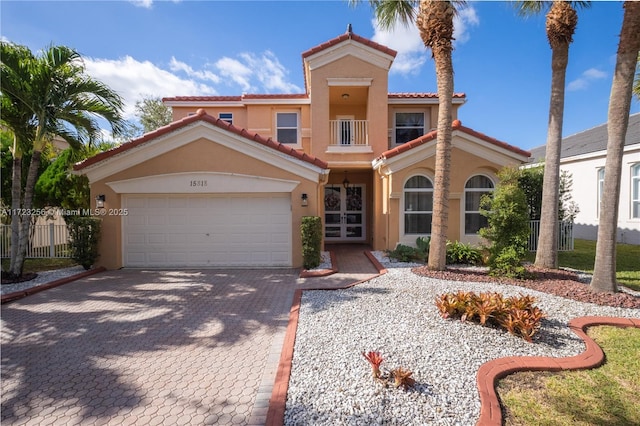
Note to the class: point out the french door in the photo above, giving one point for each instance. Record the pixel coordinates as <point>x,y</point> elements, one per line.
<point>344,213</point>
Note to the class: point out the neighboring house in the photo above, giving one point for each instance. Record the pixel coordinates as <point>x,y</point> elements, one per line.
<point>228,182</point>
<point>583,155</point>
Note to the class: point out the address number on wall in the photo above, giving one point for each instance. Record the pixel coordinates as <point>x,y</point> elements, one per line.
<point>197,183</point>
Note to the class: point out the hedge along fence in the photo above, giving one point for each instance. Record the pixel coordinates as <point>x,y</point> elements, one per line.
<point>311,230</point>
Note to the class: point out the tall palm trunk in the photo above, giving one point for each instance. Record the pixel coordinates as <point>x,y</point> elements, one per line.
<point>604,271</point>
<point>16,194</point>
<point>435,22</point>
<point>561,23</point>
<point>27,205</point>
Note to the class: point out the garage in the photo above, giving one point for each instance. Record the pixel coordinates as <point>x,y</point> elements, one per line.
<point>207,230</point>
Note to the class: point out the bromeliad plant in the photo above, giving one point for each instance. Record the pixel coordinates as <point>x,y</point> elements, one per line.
<point>402,377</point>
<point>375,359</point>
<point>515,314</point>
<point>399,376</point>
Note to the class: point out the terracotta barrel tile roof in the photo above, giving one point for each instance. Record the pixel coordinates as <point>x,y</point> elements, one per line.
<point>238,98</point>
<point>422,95</point>
<point>203,99</point>
<point>201,115</point>
<point>456,125</point>
<point>347,36</point>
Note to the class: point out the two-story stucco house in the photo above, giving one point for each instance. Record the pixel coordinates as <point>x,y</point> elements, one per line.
<point>228,182</point>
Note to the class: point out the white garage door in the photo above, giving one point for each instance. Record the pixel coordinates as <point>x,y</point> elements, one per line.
<point>207,230</point>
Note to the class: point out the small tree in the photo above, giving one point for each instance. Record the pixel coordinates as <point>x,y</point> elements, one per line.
<point>311,229</point>
<point>530,180</point>
<point>84,235</point>
<point>152,113</point>
<point>508,230</point>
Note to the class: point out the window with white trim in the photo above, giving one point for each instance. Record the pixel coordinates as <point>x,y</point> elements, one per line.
<point>408,126</point>
<point>474,189</point>
<point>600,189</point>
<point>226,116</point>
<point>287,127</point>
<point>635,191</point>
<point>418,205</point>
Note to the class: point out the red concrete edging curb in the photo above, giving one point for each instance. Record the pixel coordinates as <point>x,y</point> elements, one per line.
<point>490,372</point>
<point>10,297</point>
<point>381,269</point>
<point>278,400</point>
<point>322,272</point>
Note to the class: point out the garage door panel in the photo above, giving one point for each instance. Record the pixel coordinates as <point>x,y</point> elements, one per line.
<point>207,230</point>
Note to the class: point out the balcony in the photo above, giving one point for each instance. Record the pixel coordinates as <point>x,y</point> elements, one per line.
<point>349,136</point>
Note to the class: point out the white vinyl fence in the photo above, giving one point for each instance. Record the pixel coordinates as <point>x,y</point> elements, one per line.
<point>48,240</point>
<point>565,235</point>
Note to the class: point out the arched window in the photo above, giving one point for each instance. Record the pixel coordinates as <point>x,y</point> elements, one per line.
<point>418,205</point>
<point>635,191</point>
<point>474,189</point>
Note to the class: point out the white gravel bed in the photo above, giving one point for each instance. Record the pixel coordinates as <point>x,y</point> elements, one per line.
<point>395,314</point>
<point>43,277</point>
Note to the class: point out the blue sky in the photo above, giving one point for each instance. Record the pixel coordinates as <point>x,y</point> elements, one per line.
<point>172,48</point>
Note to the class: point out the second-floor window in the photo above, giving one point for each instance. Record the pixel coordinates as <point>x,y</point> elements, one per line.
<point>408,126</point>
<point>287,127</point>
<point>226,116</point>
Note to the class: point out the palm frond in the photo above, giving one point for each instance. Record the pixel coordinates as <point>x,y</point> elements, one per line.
<point>526,8</point>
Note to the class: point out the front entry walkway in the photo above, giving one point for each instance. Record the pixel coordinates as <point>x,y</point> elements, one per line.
<point>154,347</point>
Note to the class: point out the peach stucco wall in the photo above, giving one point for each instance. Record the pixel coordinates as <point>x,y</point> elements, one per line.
<point>387,233</point>
<point>199,156</point>
<point>375,110</point>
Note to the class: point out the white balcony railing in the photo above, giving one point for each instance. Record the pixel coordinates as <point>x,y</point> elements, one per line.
<point>349,133</point>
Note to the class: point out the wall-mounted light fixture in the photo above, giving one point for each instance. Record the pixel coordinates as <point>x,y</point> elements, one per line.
<point>345,96</point>
<point>305,200</point>
<point>345,182</point>
<point>100,199</point>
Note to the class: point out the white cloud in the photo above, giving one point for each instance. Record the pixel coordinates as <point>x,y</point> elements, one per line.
<point>405,39</point>
<point>133,80</point>
<point>585,79</point>
<point>256,72</point>
<point>270,72</point>
<point>464,20</point>
<point>142,3</point>
<point>236,71</point>
<point>176,65</point>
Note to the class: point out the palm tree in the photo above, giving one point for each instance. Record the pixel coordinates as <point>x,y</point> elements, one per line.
<point>604,270</point>
<point>56,97</point>
<point>636,82</point>
<point>14,76</point>
<point>561,22</point>
<point>434,20</point>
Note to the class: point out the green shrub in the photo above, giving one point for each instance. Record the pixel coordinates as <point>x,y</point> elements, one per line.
<point>458,252</point>
<point>508,230</point>
<point>311,230</point>
<point>423,244</point>
<point>84,235</point>
<point>404,253</point>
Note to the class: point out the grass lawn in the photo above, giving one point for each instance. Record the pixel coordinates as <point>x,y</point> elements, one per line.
<point>584,254</point>
<point>44,264</point>
<point>607,395</point>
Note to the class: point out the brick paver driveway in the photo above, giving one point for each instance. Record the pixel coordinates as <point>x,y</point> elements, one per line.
<point>146,347</point>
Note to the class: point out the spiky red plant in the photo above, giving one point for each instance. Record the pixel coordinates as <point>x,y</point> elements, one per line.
<point>375,359</point>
